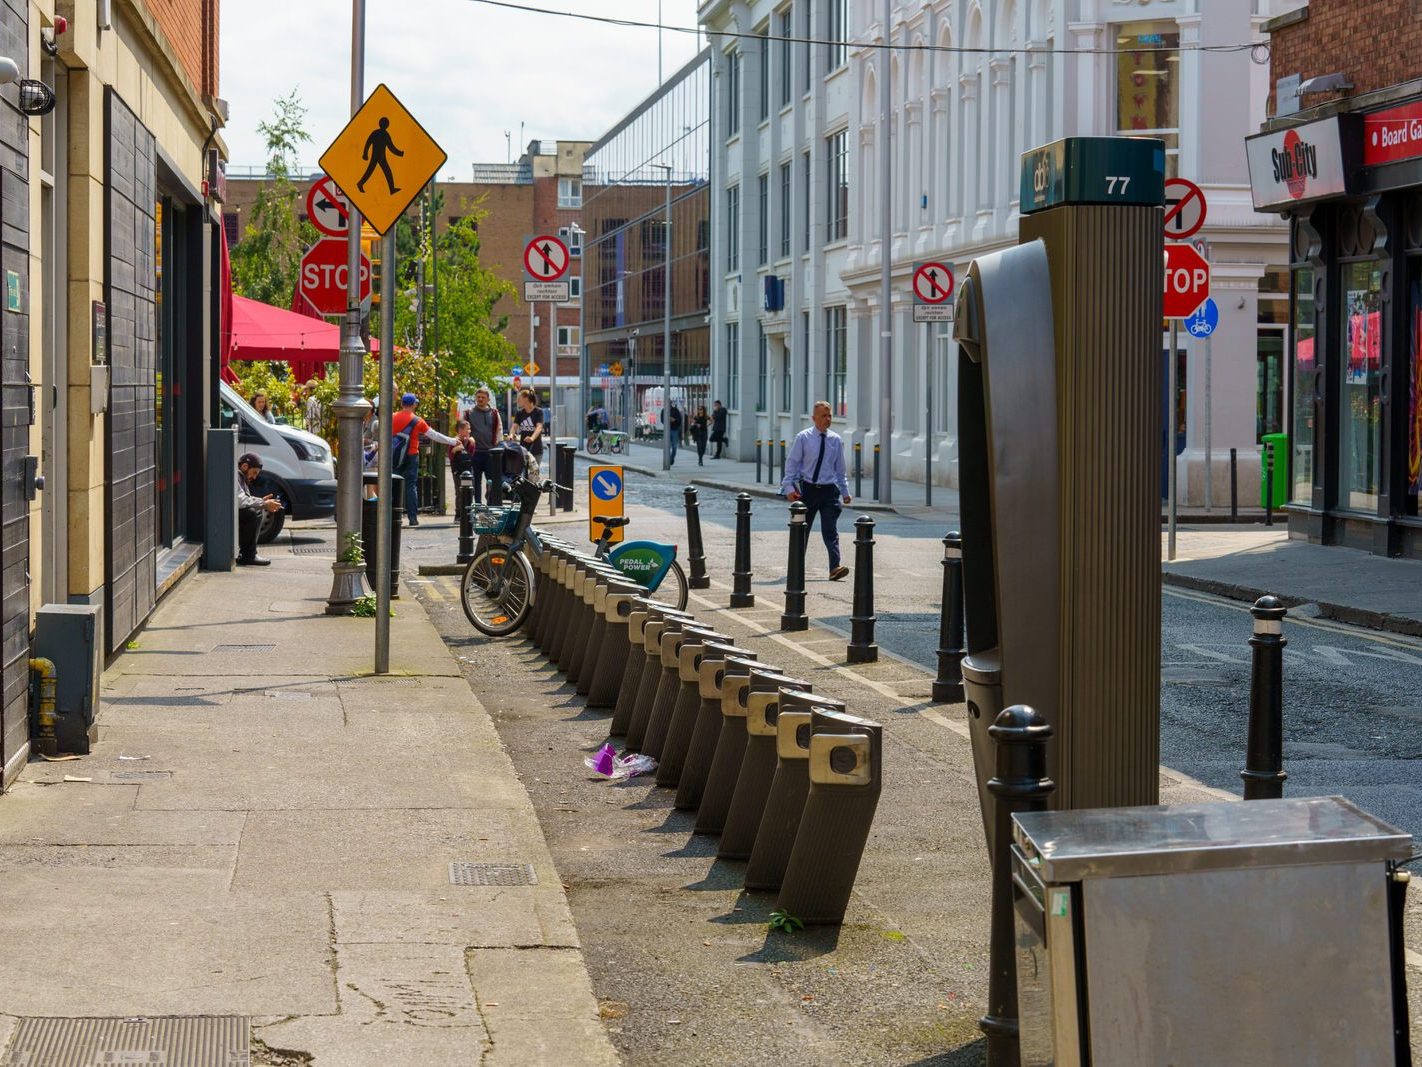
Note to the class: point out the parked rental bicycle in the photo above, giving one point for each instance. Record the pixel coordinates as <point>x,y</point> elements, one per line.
<point>612,440</point>
<point>497,588</point>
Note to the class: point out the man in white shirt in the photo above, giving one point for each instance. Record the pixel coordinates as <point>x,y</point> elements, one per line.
<point>814,472</point>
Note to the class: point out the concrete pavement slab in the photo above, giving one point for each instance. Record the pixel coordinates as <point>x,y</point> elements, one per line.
<point>460,915</point>
<point>346,1041</point>
<point>537,1005</point>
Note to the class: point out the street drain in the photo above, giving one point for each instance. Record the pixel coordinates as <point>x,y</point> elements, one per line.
<point>168,1041</point>
<point>245,648</point>
<point>313,550</point>
<point>492,874</point>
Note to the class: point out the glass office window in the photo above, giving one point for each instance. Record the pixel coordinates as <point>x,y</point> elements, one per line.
<point>805,196</point>
<point>837,187</point>
<point>733,364</point>
<point>786,30</point>
<point>733,228</point>
<point>837,359</point>
<point>838,32</point>
<point>762,365</point>
<point>807,34</point>
<point>763,222</point>
<point>763,58</point>
<point>1360,425</point>
<point>783,402</point>
<point>784,209</point>
<point>733,92</point>
<point>805,363</point>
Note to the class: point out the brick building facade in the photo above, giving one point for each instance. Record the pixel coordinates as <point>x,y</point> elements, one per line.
<point>1341,159</point>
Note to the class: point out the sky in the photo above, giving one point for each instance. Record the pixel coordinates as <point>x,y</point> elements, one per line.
<point>467,71</point>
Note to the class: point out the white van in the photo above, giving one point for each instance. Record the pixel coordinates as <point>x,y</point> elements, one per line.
<point>296,466</point>
<point>652,404</point>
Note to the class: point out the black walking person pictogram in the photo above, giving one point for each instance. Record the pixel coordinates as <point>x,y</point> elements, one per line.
<point>376,145</point>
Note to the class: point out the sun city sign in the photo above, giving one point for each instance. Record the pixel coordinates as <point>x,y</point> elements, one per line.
<point>1301,163</point>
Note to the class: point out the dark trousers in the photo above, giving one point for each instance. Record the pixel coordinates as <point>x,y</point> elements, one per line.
<point>720,444</point>
<point>479,465</point>
<point>823,500</point>
<point>249,527</point>
<point>700,450</point>
<point>410,471</point>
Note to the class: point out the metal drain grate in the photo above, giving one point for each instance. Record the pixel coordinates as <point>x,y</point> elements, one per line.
<point>140,776</point>
<point>245,648</point>
<point>492,874</point>
<point>167,1041</point>
<point>313,550</point>
<point>379,683</point>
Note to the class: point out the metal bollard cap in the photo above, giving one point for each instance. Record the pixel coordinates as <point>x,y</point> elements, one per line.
<point>1268,612</point>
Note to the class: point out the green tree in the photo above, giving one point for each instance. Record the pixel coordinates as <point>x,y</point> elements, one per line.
<point>266,260</point>
<point>474,347</point>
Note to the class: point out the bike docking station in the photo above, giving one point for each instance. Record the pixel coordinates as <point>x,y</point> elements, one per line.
<point>1121,931</point>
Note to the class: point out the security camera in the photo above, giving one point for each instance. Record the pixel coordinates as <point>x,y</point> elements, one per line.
<point>635,332</point>
<point>9,70</point>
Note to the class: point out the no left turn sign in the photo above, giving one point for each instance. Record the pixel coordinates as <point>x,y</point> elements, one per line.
<point>545,258</point>
<point>1184,209</point>
<point>327,208</point>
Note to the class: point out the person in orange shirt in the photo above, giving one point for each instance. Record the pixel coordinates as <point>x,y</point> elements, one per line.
<point>409,465</point>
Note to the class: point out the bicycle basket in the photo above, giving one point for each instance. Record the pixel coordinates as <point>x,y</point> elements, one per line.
<point>495,521</point>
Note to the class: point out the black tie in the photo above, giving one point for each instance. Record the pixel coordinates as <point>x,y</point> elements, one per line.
<point>815,477</point>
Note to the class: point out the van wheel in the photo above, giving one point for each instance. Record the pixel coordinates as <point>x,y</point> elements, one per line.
<point>271,529</point>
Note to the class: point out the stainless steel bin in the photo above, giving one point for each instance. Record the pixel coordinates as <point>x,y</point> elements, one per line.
<point>1224,933</point>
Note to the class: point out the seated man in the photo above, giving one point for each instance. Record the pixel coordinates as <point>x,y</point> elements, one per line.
<point>251,511</point>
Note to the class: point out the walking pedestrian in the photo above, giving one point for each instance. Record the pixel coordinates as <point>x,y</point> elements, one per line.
<point>405,421</point>
<point>674,422</point>
<point>814,472</point>
<point>528,425</point>
<point>252,511</point>
<point>718,427</point>
<point>486,428</point>
<point>700,427</point>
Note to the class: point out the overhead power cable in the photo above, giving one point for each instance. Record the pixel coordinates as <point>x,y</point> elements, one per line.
<point>1259,51</point>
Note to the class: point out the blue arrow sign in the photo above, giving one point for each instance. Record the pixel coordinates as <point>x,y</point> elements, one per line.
<point>1204,321</point>
<point>607,485</point>
<point>602,370</point>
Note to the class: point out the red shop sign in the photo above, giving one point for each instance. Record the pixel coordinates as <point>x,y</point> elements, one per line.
<point>1392,134</point>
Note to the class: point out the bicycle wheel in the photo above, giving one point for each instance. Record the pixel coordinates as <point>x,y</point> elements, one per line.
<point>594,443</point>
<point>674,582</point>
<point>615,446</point>
<point>497,590</point>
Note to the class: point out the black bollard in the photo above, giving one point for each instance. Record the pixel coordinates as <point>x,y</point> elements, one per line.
<point>782,464</point>
<point>1263,772</point>
<point>876,472</point>
<point>757,461</point>
<point>465,497</point>
<point>695,549</point>
<point>741,595</point>
<point>862,648</point>
<point>858,469</point>
<point>1234,485</point>
<point>1269,485</point>
<point>1021,784</point>
<point>496,476</point>
<point>948,686</point>
<point>794,617</point>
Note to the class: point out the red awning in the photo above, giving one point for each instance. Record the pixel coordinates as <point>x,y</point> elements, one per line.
<point>260,331</point>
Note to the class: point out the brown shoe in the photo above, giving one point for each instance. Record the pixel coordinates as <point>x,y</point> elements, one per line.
<point>838,573</point>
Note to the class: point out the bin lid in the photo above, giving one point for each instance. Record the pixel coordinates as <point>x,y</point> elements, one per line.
<point>1072,846</point>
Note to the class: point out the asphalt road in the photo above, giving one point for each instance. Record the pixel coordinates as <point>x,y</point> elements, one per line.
<point>1352,699</point>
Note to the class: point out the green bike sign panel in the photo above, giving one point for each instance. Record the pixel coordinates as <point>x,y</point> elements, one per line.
<point>1093,170</point>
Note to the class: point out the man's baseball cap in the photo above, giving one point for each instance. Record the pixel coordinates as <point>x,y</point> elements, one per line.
<point>409,398</point>
<point>251,459</point>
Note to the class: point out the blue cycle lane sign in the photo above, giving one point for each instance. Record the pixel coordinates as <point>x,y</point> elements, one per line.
<point>1204,321</point>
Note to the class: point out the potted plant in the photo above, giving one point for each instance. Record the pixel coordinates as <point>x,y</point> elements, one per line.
<point>349,584</point>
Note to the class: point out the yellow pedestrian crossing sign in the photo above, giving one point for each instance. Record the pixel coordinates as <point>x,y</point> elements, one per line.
<point>382,159</point>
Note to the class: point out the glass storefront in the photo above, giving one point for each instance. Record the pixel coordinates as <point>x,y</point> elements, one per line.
<point>630,268</point>
<point>1360,429</point>
<point>1148,84</point>
<point>1413,479</point>
<point>1305,367</point>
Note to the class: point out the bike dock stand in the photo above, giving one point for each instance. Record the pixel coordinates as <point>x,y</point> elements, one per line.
<point>706,731</point>
<point>632,669</point>
<point>789,788</point>
<point>688,700</point>
<point>589,648</point>
<point>757,766</point>
<point>668,687</point>
<point>651,674</point>
<point>607,669</point>
<point>846,778</point>
<point>730,745</point>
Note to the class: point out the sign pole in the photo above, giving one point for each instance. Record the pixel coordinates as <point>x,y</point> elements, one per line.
<point>551,467</point>
<point>928,415</point>
<point>350,406</point>
<point>886,269</point>
<point>666,326</point>
<point>385,506</point>
<point>1172,376</point>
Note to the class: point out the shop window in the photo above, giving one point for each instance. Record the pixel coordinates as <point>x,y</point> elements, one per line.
<point>837,360</point>
<point>1413,476</point>
<point>1148,84</point>
<point>1305,378</point>
<point>1269,390</point>
<point>1360,437</point>
<point>762,378</point>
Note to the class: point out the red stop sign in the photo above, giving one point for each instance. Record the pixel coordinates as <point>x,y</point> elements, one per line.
<point>323,276</point>
<point>1187,280</point>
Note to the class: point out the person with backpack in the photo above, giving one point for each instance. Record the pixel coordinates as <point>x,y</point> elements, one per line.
<point>409,429</point>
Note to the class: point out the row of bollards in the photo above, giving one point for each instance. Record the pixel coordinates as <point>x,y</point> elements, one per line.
<point>788,780</point>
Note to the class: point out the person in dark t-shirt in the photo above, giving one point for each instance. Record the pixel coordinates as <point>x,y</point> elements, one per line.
<point>528,424</point>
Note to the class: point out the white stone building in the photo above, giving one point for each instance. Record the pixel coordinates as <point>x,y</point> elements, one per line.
<point>796,176</point>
